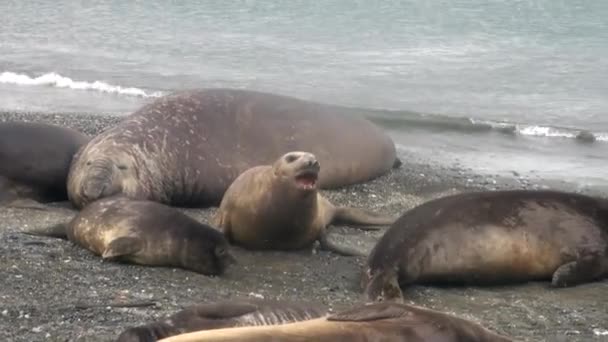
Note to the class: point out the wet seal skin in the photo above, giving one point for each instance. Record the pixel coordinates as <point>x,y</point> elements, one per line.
<point>34,162</point>
<point>386,322</point>
<point>146,233</point>
<point>186,148</point>
<point>224,314</point>
<point>491,238</point>
<point>279,207</point>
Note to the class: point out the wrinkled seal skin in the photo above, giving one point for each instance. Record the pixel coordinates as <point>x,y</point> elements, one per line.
<point>267,208</point>
<point>34,161</point>
<point>185,149</point>
<point>494,237</point>
<point>386,322</point>
<point>145,233</point>
<point>224,314</point>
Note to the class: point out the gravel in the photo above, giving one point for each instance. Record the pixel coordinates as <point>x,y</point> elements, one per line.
<point>52,290</point>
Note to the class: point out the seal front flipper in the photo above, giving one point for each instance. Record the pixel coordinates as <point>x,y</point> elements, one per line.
<point>370,312</point>
<point>590,266</point>
<point>122,246</point>
<point>361,217</point>
<point>57,231</point>
<point>328,245</point>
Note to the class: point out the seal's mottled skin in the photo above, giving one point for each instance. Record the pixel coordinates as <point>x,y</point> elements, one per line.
<point>34,161</point>
<point>386,322</point>
<point>185,149</point>
<point>224,314</point>
<point>145,233</point>
<point>493,237</point>
<point>279,207</point>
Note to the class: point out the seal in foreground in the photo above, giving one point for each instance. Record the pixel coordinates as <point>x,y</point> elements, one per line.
<point>34,162</point>
<point>185,149</point>
<point>224,314</point>
<point>146,233</point>
<point>278,207</point>
<point>390,322</point>
<point>492,237</point>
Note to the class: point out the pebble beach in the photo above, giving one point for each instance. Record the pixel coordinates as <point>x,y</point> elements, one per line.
<point>52,290</point>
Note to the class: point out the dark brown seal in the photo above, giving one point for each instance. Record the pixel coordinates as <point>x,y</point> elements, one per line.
<point>279,207</point>
<point>145,233</point>
<point>493,237</point>
<point>185,149</point>
<point>224,314</point>
<point>386,322</point>
<point>34,162</point>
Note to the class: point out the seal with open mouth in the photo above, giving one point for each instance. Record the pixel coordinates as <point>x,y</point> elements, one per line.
<point>278,207</point>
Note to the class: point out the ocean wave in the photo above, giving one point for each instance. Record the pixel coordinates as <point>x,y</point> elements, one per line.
<point>56,80</point>
<point>434,122</point>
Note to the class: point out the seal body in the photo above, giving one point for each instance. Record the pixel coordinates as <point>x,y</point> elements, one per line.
<point>35,159</point>
<point>224,314</point>
<point>387,322</point>
<point>278,206</point>
<point>493,237</point>
<point>185,149</point>
<point>146,233</point>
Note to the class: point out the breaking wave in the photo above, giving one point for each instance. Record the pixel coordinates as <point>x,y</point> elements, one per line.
<point>56,80</point>
<point>405,120</point>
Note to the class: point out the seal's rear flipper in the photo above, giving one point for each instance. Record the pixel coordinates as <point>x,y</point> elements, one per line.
<point>122,246</point>
<point>361,217</point>
<point>25,203</point>
<point>586,269</point>
<point>326,244</point>
<point>58,231</point>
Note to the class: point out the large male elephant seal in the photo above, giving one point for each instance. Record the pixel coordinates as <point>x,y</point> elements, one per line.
<point>34,162</point>
<point>145,233</point>
<point>224,314</point>
<point>387,322</point>
<point>185,149</point>
<point>492,237</point>
<point>279,207</point>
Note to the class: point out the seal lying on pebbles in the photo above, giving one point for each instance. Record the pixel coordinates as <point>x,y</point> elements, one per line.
<point>224,314</point>
<point>363,323</point>
<point>492,237</point>
<point>34,162</point>
<point>185,149</point>
<point>146,233</point>
<point>278,207</point>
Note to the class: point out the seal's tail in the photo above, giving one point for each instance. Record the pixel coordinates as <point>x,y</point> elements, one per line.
<point>57,230</point>
<point>361,217</point>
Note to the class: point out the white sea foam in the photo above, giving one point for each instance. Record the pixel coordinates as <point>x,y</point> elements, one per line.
<point>56,80</point>
<point>543,131</point>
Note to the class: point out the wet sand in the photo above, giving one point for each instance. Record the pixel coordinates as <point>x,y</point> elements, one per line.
<point>52,290</point>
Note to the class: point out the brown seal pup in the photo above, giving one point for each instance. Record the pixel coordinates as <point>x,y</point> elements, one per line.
<point>387,322</point>
<point>145,233</point>
<point>224,314</point>
<point>278,207</point>
<point>186,148</point>
<point>493,237</point>
<point>34,162</point>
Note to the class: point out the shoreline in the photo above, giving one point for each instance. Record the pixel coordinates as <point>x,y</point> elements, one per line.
<point>47,278</point>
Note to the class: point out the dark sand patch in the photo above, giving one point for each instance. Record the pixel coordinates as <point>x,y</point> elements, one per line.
<point>44,279</point>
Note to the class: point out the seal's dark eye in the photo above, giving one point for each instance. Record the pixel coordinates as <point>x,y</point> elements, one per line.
<point>122,167</point>
<point>220,251</point>
<point>88,163</point>
<point>291,158</point>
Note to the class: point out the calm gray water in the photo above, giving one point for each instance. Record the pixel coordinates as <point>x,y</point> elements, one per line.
<point>447,74</point>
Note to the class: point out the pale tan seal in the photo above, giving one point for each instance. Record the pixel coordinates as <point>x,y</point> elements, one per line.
<point>386,322</point>
<point>224,314</point>
<point>279,207</point>
<point>185,149</point>
<point>489,238</point>
<point>146,233</point>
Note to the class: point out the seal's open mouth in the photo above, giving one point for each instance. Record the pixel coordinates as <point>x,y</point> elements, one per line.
<point>307,180</point>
